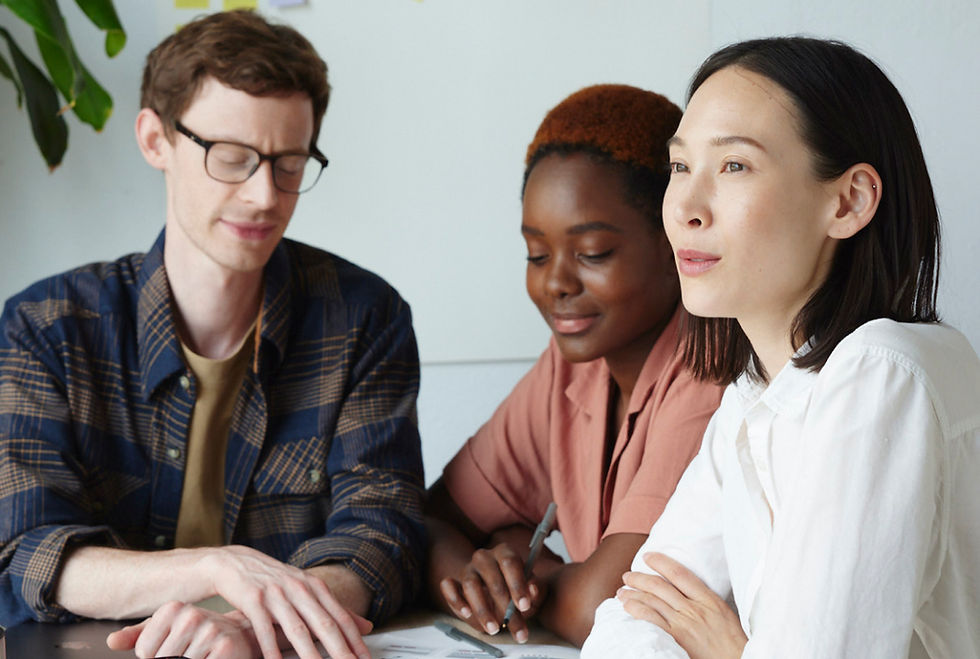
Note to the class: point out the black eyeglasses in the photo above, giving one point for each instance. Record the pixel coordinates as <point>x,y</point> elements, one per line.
<point>230,162</point>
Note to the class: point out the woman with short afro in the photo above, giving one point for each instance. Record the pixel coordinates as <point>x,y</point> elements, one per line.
<point>608,418</point>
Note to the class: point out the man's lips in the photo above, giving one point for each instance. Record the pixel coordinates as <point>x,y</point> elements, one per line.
<point>692,262</point>
<point>250,230</point>
<point>572,323</point>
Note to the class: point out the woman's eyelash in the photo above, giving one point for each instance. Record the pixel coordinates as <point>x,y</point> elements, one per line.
<point>597,257</point>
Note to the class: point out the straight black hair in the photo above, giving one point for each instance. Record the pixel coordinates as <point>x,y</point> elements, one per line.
<point>849,112</point>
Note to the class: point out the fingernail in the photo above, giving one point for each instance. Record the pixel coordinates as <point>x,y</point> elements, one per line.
<point>465,612</point>
<point>533,589</point>
<point>521,636</point>
<point>524,604</point>
<point>492,628</point>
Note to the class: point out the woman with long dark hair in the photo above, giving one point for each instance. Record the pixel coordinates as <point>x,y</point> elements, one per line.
<point>836,496</point>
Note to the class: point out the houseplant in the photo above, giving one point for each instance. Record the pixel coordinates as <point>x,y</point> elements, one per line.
<point>65,74</point>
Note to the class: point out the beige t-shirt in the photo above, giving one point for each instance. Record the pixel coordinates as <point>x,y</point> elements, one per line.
<point>200,522</point>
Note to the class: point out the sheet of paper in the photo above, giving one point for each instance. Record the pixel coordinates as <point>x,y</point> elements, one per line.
<point>428,641</point>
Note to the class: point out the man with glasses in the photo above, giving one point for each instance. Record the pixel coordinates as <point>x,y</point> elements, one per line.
<point>230,414</point>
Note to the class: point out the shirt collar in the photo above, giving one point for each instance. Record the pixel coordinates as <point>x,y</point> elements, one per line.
<point>787,393</point>
<point>277,305</point>
<point>589,393</point>
<point>156,332</point>
<point>160,355</point>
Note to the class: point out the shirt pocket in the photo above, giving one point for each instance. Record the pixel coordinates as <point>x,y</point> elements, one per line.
<point>296,467</point>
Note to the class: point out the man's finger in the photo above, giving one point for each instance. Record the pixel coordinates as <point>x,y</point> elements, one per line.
<point>125,638</point>
<point>330,610</point>
<point>262,627</point>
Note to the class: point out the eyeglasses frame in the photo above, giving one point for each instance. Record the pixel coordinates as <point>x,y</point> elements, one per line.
<point>207,144</point>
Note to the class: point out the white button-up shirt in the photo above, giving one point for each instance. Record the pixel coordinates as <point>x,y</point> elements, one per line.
<point>840,509</point>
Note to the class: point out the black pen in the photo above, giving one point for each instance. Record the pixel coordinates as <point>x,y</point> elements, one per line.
<point>537,540</point>
<point>460,635</point>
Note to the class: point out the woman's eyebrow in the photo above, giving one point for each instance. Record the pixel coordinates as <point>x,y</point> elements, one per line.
<point>722,141</point>
<point>593,226</point>
<point>737,139</point>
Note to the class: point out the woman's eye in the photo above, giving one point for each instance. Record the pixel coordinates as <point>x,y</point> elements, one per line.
<point>536,259</point>
<point>732,166</point>
<point>597,257</point>
<point>677,167</point>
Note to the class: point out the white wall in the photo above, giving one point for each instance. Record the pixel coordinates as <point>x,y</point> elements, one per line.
<point>434,103</point>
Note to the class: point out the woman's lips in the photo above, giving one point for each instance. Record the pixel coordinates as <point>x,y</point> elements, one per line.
<point>692,262</point>
<point>572,323</point>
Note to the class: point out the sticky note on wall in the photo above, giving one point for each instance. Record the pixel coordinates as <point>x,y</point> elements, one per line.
<point>191,4</point>
<point>239,4</point>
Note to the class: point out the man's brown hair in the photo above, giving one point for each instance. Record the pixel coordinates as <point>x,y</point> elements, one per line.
<point>241,50</point>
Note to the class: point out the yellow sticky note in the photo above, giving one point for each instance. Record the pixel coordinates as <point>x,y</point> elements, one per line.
<point>191,4</point>
<point>239,4</point>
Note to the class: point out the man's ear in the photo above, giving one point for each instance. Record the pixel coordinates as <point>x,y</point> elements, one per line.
<point>152,139</point>
<point>858,195</point>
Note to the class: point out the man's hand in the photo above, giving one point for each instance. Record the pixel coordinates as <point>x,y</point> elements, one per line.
<point>481,592</point>
<point>680,604</point>
<point>270,593</point>
<point>179,629</point>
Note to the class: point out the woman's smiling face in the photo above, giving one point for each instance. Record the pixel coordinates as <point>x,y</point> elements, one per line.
<point>599,272</point>
<point>745,214</point>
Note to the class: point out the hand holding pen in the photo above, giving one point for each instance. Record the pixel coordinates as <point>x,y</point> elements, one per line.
<point>494,576</point>
<point>537,541</point>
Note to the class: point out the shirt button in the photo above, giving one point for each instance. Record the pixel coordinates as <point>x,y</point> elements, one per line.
<point>314,475</point>
<point>173,452</point>
<point>185,382</point>
<point>160,541</point>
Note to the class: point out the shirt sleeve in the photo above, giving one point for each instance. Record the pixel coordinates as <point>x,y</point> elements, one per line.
<point>854,551</point>
<point>673,437</point>
<point>689,531</point>
<point>492,478</point>
<point>44,508</point>
<point>375,525</point>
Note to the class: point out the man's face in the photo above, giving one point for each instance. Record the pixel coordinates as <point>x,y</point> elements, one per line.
<point>234,226</point>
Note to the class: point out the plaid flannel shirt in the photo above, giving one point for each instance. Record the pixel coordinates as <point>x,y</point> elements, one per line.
<point>323,461</point>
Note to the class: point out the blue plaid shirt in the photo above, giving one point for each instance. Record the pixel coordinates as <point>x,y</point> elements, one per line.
<point>323,461</point>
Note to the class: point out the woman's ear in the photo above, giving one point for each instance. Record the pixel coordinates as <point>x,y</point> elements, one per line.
<point>858,194</point>
<point>152,139</point>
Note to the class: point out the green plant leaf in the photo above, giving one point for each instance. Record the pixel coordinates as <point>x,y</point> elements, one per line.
<point>49,128</point>
<point>47,21</point>
<point>8,73</point>
<point>90,102</point>
<point>42,15</point>
<point>103,14</point>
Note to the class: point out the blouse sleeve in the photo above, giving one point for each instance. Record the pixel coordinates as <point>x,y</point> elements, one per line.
<point>490,477</point>
<point>853,551</point>
<point>689,531</point>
